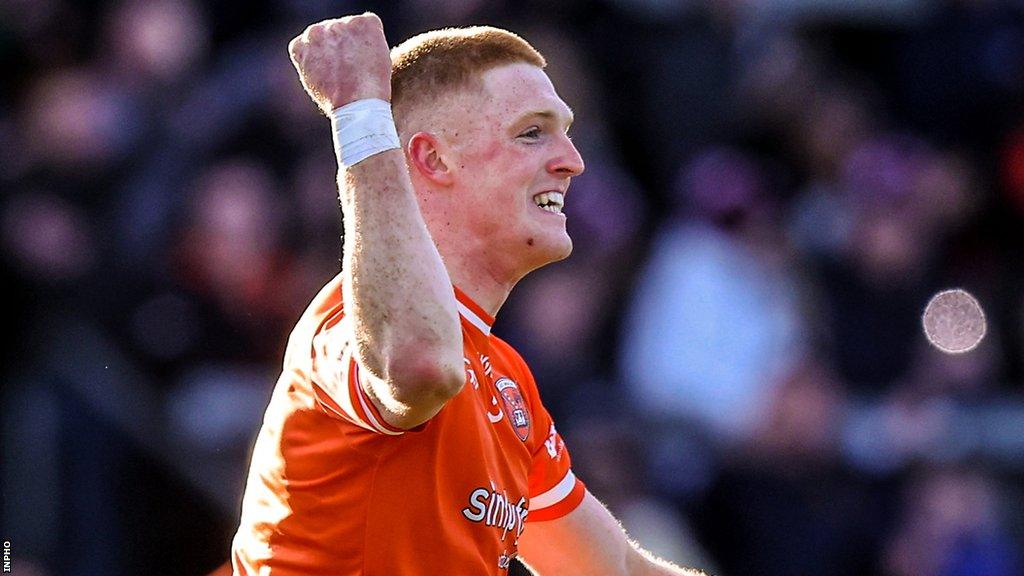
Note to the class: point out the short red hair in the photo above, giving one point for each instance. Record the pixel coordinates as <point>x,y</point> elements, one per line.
<point>429,64</point>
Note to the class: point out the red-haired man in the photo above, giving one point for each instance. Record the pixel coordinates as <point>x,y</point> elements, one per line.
<point>403,437</point>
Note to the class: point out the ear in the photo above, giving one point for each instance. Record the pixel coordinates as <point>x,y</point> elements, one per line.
<point>427,156</point>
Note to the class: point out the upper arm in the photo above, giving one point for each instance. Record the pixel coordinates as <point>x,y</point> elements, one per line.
<point>340,384</point>
<point>345,388</point>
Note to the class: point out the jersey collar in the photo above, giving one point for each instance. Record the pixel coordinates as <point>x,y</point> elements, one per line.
<point>473,314</point>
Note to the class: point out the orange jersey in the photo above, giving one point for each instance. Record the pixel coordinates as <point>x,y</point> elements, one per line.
<point>333,489</point>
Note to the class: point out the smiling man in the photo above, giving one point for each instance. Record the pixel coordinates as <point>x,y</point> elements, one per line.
<point>403,437</point>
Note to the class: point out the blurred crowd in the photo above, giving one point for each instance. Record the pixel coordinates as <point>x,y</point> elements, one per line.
<point>734,351</point>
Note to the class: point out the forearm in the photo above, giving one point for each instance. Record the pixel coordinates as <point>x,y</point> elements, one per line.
<point>590,541</point>
<point>396,290</point>
<point>395,286</point>
<point>643,563</point>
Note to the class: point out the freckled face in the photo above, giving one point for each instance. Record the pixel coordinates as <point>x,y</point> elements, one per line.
<point>513,154</point>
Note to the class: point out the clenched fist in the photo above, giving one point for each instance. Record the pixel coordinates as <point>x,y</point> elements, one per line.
<point>343,60</point>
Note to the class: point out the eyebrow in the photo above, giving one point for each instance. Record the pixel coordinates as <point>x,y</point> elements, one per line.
<point>547,115</point>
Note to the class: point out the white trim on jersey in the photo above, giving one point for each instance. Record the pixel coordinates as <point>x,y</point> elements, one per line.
<point>350,416</point>
<point>364,401</point>
<point>556,494</point>
<point>338,387</point>
<point>339,391</point>
<point>473,318</point>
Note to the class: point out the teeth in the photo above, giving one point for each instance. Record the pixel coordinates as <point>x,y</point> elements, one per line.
<point>550,201</point>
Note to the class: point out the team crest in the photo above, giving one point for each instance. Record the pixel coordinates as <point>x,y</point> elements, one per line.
<point>515,407</point>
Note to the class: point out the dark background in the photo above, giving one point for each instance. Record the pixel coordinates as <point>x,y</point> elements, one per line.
<point>734,351</point>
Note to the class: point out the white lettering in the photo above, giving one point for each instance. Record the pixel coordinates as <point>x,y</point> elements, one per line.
<point>471,373</point>
<point>552,443</point>
<point>476,500</point>
<point>493,508</point>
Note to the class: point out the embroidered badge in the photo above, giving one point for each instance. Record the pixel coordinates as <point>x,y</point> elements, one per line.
<point>515,407</point>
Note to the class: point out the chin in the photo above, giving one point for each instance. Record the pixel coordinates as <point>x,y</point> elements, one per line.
<point>554,249</point>
<point>538,247</point>
<point>566,249</point>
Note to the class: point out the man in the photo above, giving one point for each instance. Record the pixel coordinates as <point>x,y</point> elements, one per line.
<point>403,438</point>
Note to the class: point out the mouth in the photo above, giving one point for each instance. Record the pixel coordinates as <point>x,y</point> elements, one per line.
<point>550,201</point>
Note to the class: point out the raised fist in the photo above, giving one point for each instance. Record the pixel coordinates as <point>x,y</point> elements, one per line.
<point>343,60</point>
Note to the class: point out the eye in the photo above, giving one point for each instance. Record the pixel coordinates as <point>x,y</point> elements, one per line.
<point>531,133</point>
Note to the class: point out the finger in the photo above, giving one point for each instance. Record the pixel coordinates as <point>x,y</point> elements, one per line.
<point>367,21</point>
<point>374,19</point>
<point>296,49</point>
<point>315,33</point>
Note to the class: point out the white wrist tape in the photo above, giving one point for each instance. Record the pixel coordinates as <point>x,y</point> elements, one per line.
<point>361,129</point>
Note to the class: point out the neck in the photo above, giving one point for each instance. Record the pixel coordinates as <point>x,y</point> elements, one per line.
<point>480,279</point>
<point>474,265</point>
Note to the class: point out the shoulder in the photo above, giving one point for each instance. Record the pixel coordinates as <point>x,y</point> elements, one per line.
<point>505,349</point>
<point>509,356</point>
<point>324,312</point>
<point>518,370</point>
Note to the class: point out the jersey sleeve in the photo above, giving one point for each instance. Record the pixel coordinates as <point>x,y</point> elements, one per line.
<point>336,380</point>
<point>554,489</point>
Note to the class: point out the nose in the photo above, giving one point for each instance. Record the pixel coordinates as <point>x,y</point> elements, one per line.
<point>568,162</point>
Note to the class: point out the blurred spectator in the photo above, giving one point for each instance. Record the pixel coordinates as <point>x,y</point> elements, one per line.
<point>715,318</point>
<point>784,499</point>
<point>77,122</point>
<point>48,238</point>
<point>231,261</point>
<point>803,421</point>
<point>156,42</point>
<point>950,525</point>
<point>968,377</point>
<point>891,206</point>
